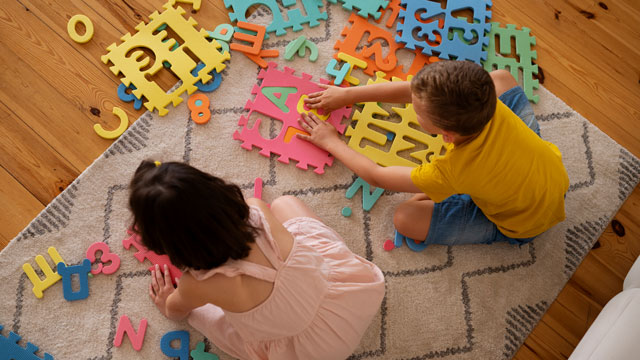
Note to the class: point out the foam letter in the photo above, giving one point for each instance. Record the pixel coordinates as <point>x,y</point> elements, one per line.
<point>125,326</point>
<point>50,277</point>
<point>83,274</point>
<point>183,351</point>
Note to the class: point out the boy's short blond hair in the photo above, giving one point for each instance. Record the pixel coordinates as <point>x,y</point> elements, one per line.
<point>459,95</point>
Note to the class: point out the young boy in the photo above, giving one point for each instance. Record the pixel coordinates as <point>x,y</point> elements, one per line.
<point>498,181</point>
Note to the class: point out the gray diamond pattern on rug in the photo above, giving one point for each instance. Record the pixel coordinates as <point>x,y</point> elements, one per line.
<point>467,302</point>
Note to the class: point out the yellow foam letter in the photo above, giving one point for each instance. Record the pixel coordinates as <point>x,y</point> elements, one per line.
<point>50,277</point>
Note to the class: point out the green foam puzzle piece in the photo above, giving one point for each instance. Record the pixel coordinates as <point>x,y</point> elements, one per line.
<point>279,101</point>
<point>503,60</point>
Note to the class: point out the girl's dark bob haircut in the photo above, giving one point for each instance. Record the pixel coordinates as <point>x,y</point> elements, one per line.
<point>198,220</point>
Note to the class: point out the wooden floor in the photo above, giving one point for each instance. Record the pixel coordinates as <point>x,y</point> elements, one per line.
<point>53,90</point>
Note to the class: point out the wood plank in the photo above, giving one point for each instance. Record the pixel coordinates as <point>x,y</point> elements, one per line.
<point>583,75</point>
<point>548,344</point>
<point>619,253</point>
<point>82,86</point>
<point>44,109</point>
<point>34,163</point>
<point>24,206</point>
<point>3,242</point>
<point>606,25</point>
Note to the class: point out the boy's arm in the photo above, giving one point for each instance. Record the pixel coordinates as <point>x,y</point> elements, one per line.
<point>325,136</point>
<point>334,97</point>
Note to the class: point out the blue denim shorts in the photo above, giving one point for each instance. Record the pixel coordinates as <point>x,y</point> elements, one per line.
<point>457,220</point>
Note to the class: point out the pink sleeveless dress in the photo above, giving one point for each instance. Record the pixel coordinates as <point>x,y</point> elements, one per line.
<point>323,299</point>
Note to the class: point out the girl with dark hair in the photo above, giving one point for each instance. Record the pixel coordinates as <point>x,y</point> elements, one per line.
<point>260,282</point>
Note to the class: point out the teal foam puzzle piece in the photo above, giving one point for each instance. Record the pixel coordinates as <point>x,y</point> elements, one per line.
<point>294,17</point>
<point>339,74</point>
<point>368,198</point>
<point>365,8</point>
<point>199,354</point>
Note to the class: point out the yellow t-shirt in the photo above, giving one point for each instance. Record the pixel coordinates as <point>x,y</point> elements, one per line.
<point>515,178</point>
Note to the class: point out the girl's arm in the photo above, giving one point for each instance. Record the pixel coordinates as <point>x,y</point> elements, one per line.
<point>334,97</point>
<point>325,136</point>
<point>172,302</point>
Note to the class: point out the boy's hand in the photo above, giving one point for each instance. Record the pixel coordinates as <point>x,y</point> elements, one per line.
<point>329,99</point>
<point>321,133</point>
<point>160,288</point>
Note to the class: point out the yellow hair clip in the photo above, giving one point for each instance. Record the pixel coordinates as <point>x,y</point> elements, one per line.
<point>158,163</point>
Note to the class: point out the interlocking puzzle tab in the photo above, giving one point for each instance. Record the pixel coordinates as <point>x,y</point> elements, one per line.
<point>129,59</point>
<point>366,7</point>
<point>83,271</point>
<point>143,253</point>
<point>50,277</point>
<point>285,144</point>
<point>369,198</point>
<point>524,43</point>
<point>10,350</point>
<point>372,52</point>
<point>419,30</point>
<point>279,25</point>
<point>407,136</point>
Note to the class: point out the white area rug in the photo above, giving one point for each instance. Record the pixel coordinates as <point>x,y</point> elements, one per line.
<point>468,302</point>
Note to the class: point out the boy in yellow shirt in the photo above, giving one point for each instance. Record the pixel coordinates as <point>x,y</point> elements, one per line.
<point>498,181</point>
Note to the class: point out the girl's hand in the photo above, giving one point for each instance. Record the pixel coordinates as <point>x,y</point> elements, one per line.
<point>321,133</point>
<point>329,99</point>
<point>160,288</point>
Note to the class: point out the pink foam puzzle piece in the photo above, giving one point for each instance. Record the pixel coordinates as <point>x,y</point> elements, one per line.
<point>286,144</point>
<point>257,188</point>
<point>124,326</point>
<point>107,256</point>
<point>143,253</point>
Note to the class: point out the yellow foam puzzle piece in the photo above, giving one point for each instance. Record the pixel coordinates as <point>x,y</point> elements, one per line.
<point>406,134</point>
<point>128,57</point>
<point>194,3</point>
<point>113,134</point>
<point>353,61</point>
<point>71,28</point>
<point>50,277</point>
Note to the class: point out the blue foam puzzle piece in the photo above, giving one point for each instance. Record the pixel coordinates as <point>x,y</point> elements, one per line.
<point>295,18</point>
<point>212,84</point>
<point>450,47</point>
<point>122,94</point>
<point>183,351</point>
<point>397,242</point>
<point>83,271</point>
<point>10,350</point>
<point>339,74</point>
